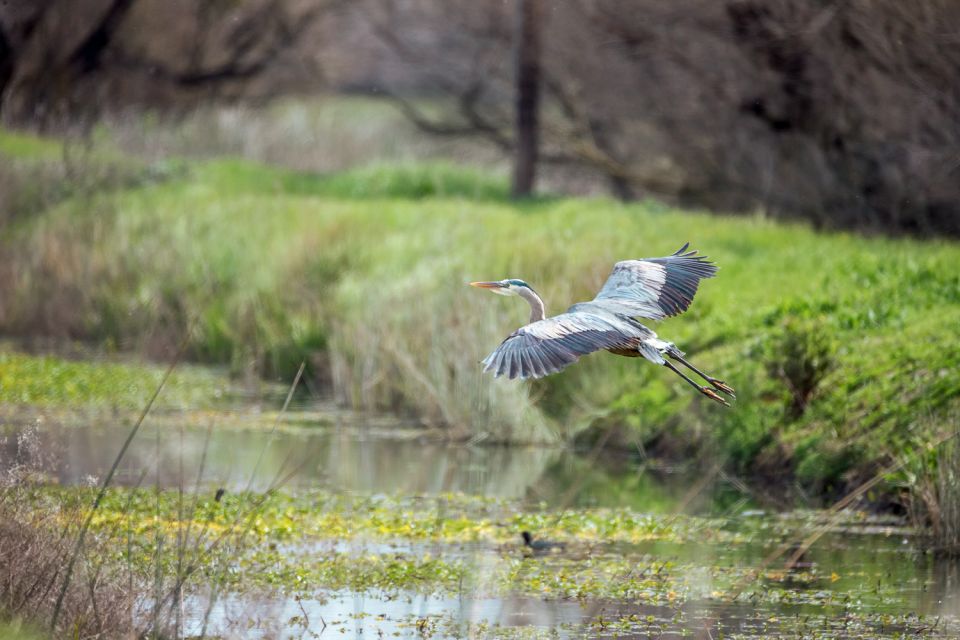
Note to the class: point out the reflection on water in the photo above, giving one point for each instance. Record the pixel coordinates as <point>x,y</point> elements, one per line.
<point>335,459</point>
<point>353,460</point>
<point>377,615</point>
<point>348,614</point>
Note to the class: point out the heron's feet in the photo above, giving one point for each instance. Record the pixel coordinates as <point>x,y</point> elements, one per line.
<point>719,385</point>
<point>713,395</point>
<point>723,387</point>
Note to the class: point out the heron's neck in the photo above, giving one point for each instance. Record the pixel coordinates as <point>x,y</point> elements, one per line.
<point>536,304</point>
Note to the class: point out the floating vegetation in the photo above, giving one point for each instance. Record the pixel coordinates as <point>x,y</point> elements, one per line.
<point>456,545</point>
<point>449,518</point>
<point>48,381</point>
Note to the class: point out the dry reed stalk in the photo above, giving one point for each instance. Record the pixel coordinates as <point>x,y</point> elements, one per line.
<point>81,536</point>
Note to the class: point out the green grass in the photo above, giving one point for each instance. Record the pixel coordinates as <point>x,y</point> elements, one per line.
<point>17,630</point>
<point>24,146</point>
<point>371,182</point>
<point>47,381</point>
<point>363,274</point>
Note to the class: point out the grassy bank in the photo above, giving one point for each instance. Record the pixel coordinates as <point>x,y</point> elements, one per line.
<point>842,348</point>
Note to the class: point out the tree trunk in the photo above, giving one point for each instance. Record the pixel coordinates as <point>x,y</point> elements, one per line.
<point>526,46</point>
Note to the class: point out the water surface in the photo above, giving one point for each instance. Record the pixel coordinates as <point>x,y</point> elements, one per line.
<point>862,580</point>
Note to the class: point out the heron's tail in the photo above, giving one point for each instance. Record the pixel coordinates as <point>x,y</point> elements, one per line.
<point>653,349</point>
<point>672,351</point>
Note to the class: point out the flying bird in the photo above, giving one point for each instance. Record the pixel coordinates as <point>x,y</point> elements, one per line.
<point>651,288</point>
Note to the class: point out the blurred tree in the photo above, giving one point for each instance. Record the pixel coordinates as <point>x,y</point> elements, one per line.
<point>846,114</point>
<point>71,59</point>
<point>526,43</point>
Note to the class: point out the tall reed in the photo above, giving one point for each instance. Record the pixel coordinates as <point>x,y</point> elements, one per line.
<point>933,495</point>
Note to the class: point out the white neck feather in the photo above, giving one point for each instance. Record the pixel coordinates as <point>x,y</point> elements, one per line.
<point>537,310</point>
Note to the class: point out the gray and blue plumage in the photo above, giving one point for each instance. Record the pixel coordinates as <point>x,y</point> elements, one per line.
<point>653,288</point>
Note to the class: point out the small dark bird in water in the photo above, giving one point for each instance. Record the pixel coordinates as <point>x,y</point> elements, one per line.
<point>540,546</point>
<point>654,288</point>
<point>803,561</point>
<point>219,494</point>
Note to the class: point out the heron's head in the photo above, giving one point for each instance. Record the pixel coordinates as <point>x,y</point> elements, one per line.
<point>509,287</point>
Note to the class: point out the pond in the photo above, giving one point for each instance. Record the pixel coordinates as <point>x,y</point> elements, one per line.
<point>862,579</point>
<point>354,458</point>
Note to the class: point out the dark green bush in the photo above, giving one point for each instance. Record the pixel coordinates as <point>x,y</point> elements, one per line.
<point>800,356</point>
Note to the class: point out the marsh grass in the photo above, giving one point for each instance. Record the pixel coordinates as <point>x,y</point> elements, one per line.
<point>37,174</point>
<point>16,629</point>
<point>932,482</point>
<point>36,537</point>
<point>362,274</point>
<point>61,575</point>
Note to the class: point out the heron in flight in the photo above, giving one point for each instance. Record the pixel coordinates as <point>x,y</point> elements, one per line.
<point>652,288</point>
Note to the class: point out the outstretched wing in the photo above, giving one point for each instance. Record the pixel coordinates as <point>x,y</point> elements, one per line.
<point>655,288</point>
<point>547,346</point>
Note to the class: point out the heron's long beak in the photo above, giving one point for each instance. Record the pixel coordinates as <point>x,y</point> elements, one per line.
<point>487,285</point>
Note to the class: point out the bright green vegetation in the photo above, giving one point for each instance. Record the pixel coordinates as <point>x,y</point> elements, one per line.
<point>26,147</point>
<point>842,349</point>
<point>47,381</point>
<point>16,630</point>
<point>451,518</point>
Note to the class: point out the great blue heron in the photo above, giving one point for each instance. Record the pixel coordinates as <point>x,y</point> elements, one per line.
<point>653,288</point>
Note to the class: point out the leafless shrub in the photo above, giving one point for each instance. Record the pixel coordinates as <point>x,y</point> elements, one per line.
<point>36,536</point>
<point>33,554</point>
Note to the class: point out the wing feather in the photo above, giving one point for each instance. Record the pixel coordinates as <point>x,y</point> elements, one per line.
<point>655,288</point>
<point>516,364</point>
<point>547,346</point>
<point>539,366</point>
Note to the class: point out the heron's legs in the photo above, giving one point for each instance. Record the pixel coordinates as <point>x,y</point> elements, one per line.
<point>707,391</point>
<point>719,385</point>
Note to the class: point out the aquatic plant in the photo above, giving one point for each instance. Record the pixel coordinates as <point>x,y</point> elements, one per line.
<point>45,381</point>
